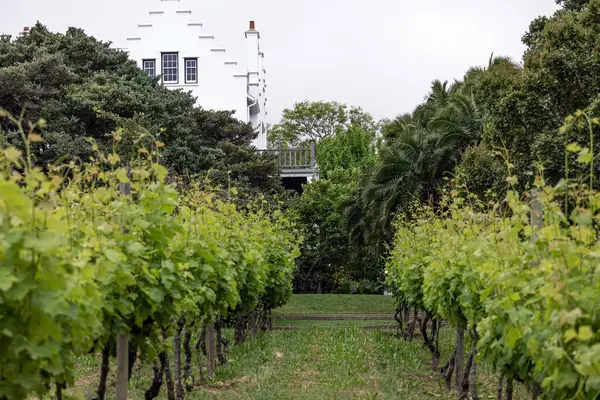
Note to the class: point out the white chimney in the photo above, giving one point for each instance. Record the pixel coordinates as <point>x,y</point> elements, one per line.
<point>256,89</point>
<point>252,37</point>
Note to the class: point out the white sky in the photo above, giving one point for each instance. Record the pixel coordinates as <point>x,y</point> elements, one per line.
<point>378,54</point>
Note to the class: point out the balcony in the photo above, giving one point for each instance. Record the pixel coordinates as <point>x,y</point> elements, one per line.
<point>294,163</point>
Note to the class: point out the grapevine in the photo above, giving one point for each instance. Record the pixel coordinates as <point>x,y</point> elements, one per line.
<point>528,293</point>
<point>83,260</point>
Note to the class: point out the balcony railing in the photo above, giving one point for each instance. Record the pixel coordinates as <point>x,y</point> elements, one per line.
<point>294,159</point>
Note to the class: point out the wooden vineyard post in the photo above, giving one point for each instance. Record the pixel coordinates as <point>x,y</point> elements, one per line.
<point>122,339</point>
<point>122,366</point>
<point>211,362</point>
<point>460,355</point>
<point>536,217</point>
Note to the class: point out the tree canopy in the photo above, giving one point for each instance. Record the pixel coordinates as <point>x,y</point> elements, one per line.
<point>314,121</point>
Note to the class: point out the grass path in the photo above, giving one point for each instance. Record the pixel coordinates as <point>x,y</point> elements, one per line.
<point>311,363</point>
<point>333,363</point>
<point>318,360</point>
<point>337,303</point>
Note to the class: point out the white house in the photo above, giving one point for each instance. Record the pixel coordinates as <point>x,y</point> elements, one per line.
<point>171,43</point>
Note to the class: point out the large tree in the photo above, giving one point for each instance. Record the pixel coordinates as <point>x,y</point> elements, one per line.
<point>526,106</point>
<point>314,121</point>
<point>420,150</point>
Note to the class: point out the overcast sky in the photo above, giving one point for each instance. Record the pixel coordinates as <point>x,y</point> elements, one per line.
<point>378,54</point>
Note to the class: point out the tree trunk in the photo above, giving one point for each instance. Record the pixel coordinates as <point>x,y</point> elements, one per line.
<point>448,370</point>
<point>536,390</point>
<point>199,353</point>
<point>270,323</point>
<point>435,357</point>
<point>460,354</point>
<point>405,314</point>
<point>400,327</point>
<point>509,389</point>
<point>499,392</point>
<point>132,359</point>
<point>474,366</point>
<point>104,368</point>
<point>219,331</point>
<point>59,389</point>
<point>203,341</point>
<point>411,333</point>
<point>254,323</point>
<point>423,327</point>
<point>159,370</point>
<point>177,358</point>
<point>464,389</point>
<point>187,368</point>
<point>239,329</point>
<point>169,379</point>
<point>474,393</point>
<point>225,348</point>
<point>431,342</point>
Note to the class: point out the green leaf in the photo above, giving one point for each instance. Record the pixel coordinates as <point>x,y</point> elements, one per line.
<point>122,175</point>
<point>574,147</point>
<point>512,336</point>
<point>585,156</point>
<point>569,335</point>
<point>13,155</point>
<point>585,333</point>
<point>113,255</point>
<point>570,317</point>
<point>558,352</point>
<point>136,248</point>
<point>581,217</point>
<point>159,171</point>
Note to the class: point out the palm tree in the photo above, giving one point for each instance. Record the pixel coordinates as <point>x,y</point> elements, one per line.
<point>420,150</point>
<point>392,129</point>
<point>409,169</point>
<point>459,124</point>
<point>438,98</point>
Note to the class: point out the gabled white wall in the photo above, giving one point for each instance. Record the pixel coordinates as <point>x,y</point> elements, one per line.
<point>222,84</point>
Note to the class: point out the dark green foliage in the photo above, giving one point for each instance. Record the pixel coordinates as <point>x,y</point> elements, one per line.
<point>346,148</point>
<point>572,4</point>
<point>561,75</point>
<point>326,247</point>
<point>483,172</point>
<point>420,151</point>
<point>353,148</point>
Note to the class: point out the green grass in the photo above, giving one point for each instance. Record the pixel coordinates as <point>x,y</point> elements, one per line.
<point>319,360</point>
<point>339,303</point>
<point>329,324</point>
<point>326,364</point>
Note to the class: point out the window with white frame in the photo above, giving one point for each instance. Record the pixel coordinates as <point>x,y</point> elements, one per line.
<point>191,70</point>
<point>149,67</point>
<point>170,67</point>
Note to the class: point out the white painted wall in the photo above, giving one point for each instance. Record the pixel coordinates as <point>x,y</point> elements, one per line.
<point>223,84</point>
